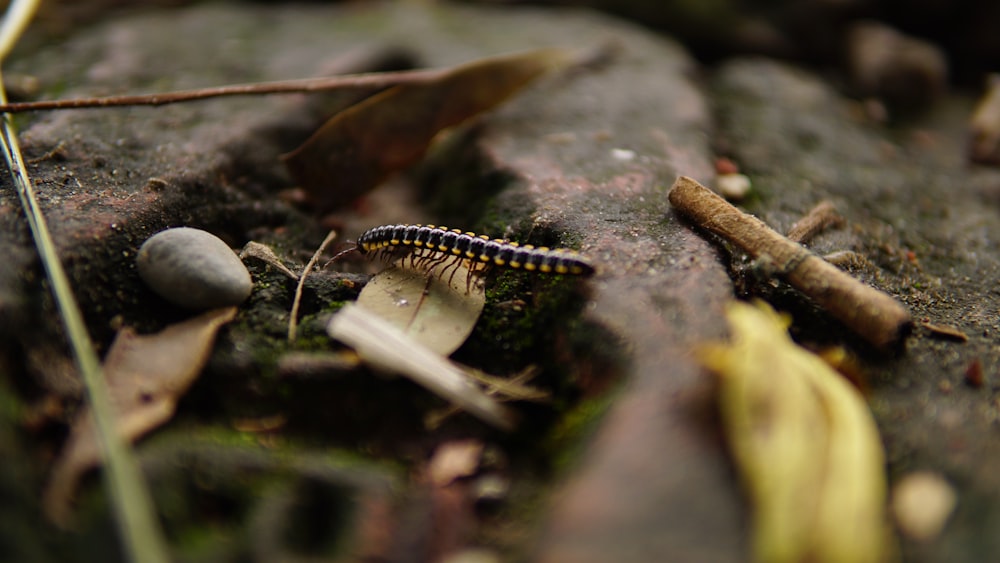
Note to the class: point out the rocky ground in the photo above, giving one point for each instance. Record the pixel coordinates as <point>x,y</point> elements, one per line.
<point>627,462</point>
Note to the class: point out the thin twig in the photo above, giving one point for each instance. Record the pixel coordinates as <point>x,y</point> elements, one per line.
<point>593,58</point>
<point>821,217</point>
<point>293,320</point>
<point>364,81</point>
<point>502,389</point>
<point>875,315</point>
<point>133,507</point>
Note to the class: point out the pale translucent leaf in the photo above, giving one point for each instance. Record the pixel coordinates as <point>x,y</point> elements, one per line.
<point>438,309</point>
<point>386,348</point>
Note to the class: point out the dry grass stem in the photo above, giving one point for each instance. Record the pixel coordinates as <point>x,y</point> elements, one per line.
<point>293,318</point>
<point>130,497</point>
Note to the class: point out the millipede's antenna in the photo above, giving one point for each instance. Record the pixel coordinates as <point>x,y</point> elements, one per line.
<point>337,256</point>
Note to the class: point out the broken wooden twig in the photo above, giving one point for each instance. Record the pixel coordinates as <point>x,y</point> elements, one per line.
<point>873,314</point>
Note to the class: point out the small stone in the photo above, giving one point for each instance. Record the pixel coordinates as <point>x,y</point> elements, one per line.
<point>922,502</point>
<point>725,165</point>
<point>733,187</point>
<point>623,155</point>
<point>194,269</point>
<point>974,374</point>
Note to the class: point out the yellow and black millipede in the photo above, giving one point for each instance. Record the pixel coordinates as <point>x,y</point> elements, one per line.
<point>435,245</point>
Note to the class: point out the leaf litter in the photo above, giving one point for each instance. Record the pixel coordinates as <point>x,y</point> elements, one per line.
<point>446,484</point>
<point>504,389</point>
<point>435,311</point>
<point>361,146</point>
<point>146,375</point>
<point>406,321</point>
<point>385,347</point>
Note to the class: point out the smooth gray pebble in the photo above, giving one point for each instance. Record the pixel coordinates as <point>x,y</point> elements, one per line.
<point>194,269</point>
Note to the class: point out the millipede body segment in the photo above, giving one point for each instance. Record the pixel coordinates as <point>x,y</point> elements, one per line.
<point>437,245</point>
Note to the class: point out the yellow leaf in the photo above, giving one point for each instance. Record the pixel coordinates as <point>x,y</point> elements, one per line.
<point>805,443</point>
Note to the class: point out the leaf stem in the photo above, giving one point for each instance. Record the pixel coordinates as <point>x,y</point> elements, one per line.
<point>364,81</point>
<point>592,58</point>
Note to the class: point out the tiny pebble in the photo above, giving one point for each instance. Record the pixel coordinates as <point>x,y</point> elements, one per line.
<point>922,502</point>
<point>733,186</point>
<point>974,374</point>
<point>623,155</point>
<point>724,165</point>
<point>194,269</point>
<point>896,68</point>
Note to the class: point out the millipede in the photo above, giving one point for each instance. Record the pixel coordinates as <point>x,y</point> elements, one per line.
<point>432,245</point>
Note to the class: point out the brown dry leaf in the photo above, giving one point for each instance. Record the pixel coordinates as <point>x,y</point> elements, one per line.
<point>361,146</point>
<point>443,504</point>
<point>264,253</point>
<point>805,443</point>
<point>438,310</point>
<point>146,374</point>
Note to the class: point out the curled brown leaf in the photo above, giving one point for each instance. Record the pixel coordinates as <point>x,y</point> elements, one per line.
<point>363,145</point>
